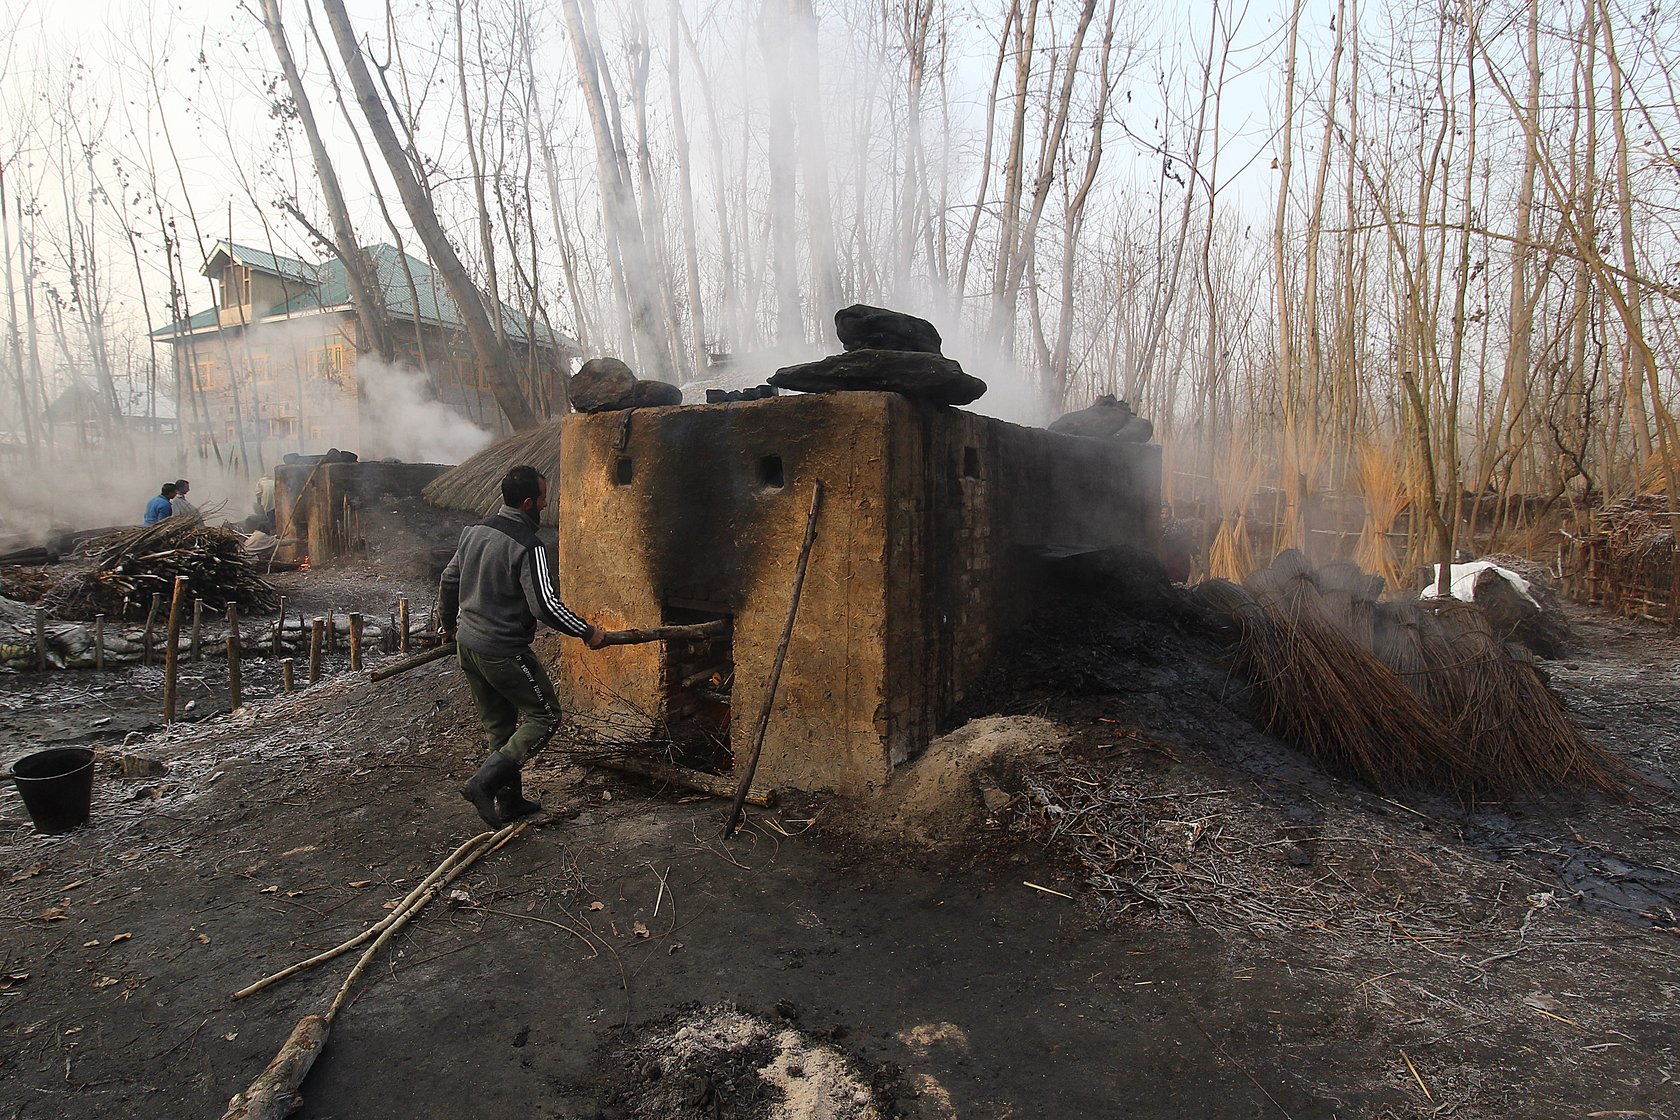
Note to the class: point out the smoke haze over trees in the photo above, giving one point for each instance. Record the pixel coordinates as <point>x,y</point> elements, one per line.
<point>1307,239</point>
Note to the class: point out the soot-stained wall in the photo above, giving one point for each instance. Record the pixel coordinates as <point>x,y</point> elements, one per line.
<point>933,529</point>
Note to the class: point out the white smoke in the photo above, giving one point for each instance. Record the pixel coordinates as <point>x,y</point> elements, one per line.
<point>402,420</point>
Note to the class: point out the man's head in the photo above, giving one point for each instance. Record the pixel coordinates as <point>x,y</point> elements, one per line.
<point>169,489</point>
<point>525,489</point>
<point>182,486</point>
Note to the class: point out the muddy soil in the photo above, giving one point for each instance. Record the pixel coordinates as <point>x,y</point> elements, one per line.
<point>1273,942</point>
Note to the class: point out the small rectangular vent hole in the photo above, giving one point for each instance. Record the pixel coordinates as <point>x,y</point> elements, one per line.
<point>971,462</point>
<point>624,469</point>
<point>770,472</point>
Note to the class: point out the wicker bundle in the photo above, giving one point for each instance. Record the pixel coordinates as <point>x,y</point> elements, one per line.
<point>132,565</point>
<point>1400,693</point>
<point>1323,692</point>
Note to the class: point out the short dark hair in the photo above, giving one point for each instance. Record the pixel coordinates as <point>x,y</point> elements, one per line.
<point>181,484</point>
<point>520,483</point>
<point>169,489</point>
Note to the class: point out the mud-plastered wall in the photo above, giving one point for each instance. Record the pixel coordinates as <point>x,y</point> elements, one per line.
<point>675,514</point>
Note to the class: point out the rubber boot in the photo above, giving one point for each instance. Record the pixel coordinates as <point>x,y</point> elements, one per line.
<point>511,803</point>
<point>482,787</point>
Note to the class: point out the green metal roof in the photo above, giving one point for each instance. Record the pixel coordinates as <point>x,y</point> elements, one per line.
<point>406,291</point>
<point>272,263</point>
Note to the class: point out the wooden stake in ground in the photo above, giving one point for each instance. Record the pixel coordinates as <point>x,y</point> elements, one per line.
<point>151,623</point>
<point>402,625</point>
<point>197,624</point>
<point>280,629</point>
<point>745,784</point>
<point>99,642</point>
<point>287,677</point>
<point>355,642</point>
<point>172,652</point>
<point>317,631</point>
<point>275,1092</point>
<point>332,632</point>
<point>234,694</point>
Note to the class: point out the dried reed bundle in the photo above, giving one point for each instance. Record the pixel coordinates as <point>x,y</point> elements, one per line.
<point>1299,466</point>
<point>1350,595</point>
<point>1407,637</point>
<point>1385,499</point>
<point>1323,692</point>
<point>1230,557</point>
<point>1521,738</point>
<point>475,485</point>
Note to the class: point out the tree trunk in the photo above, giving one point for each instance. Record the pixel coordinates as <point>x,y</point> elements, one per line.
<point>492,357</point>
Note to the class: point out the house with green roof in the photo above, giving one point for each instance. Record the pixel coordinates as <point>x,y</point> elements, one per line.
<point>272,368</point>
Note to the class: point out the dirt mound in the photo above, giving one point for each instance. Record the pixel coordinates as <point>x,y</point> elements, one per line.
<point>947,793</point>
<point>722,1062</point>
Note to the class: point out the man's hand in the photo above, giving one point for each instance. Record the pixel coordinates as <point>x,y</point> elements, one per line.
<point>596,638</point>
<point>446,633</point>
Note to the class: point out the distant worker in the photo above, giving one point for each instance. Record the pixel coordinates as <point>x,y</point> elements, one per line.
<point>160,506</point>
<point>178,505</point>
<point>496,589</point>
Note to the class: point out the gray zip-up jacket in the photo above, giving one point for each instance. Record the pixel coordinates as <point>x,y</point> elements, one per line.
<point>498,586</point>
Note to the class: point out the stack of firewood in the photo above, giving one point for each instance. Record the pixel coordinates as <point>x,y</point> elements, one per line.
<point>132,565</point>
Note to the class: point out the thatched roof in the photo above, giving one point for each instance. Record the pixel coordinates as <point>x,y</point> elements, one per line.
<point>475,485</point>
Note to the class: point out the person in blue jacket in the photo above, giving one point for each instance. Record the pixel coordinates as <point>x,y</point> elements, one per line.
<point>159,507</point>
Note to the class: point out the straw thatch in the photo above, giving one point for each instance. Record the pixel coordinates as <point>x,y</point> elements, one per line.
<point>475,485</point>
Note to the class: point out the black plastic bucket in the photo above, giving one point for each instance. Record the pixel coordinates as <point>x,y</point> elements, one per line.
<point>57,787</point>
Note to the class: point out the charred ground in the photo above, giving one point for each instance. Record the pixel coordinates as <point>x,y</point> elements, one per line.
<point>1245,936</point>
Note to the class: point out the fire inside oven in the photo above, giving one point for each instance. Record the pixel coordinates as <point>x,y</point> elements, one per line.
<point>699,678</point>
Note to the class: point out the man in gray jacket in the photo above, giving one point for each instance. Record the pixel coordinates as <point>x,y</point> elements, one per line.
<point>496,589</point>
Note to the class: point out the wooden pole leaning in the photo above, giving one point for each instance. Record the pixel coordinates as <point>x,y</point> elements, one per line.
<point>746,779</point>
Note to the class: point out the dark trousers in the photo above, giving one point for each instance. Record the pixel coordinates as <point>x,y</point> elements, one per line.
<point>505,688</point>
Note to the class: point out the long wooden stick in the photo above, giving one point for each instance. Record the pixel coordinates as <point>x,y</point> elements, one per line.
<point>372,931</point>
<point>275,1093</point>
<point>763,723</point>
<point>718,785</point>
<point>665,633</point>
<point>407,663</point>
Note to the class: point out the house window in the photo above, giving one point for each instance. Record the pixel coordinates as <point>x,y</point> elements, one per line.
<point>262,370</point>
<point>201,373</point>
<point>326,363</point>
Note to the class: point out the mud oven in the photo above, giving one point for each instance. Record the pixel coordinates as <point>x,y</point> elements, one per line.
<point>931,544</point>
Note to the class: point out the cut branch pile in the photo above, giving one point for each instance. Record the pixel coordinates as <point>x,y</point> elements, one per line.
<point>132,565</point>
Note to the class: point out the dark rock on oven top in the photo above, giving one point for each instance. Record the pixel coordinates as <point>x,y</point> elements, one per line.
<point>918,375</point>
<point>862,327</point>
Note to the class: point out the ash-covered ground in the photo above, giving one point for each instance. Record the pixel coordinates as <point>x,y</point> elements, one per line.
<point>1109,895</point>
